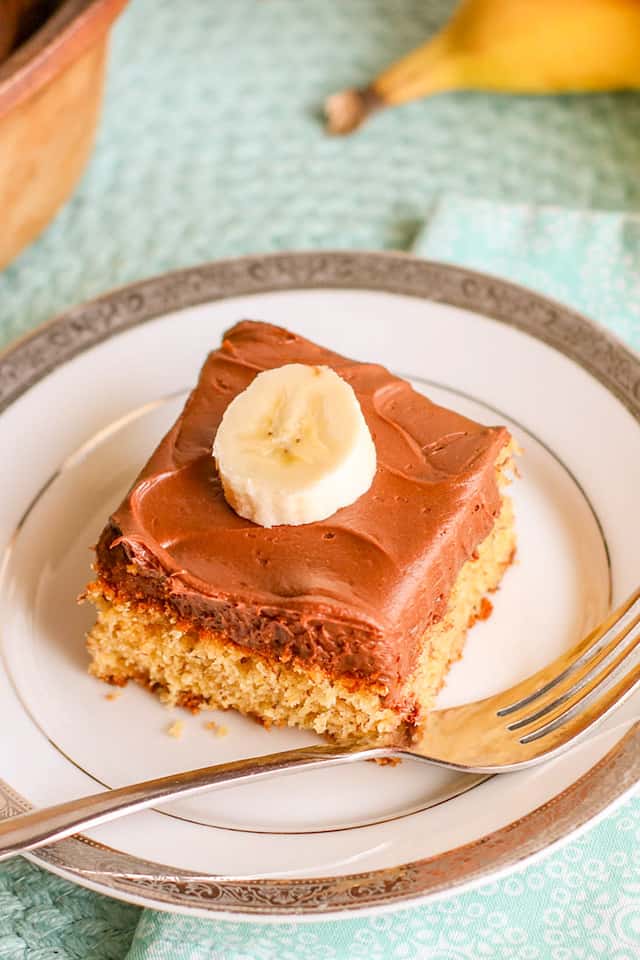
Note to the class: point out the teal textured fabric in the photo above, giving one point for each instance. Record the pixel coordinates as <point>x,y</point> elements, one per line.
<point>210,146</point>
<point>42,917</point>
<point>589,259</point>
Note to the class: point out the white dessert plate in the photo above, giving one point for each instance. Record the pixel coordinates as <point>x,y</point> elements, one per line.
<point>85,399</point>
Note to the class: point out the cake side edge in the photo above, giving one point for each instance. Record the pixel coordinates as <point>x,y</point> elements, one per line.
<point>138,640</point>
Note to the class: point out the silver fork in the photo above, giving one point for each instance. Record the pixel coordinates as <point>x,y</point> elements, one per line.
<point>537,719</point>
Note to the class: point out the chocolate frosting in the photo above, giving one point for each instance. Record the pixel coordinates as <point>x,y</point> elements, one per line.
<point>353,593</point>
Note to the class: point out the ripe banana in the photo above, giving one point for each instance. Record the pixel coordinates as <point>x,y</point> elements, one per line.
<point>510,46</point>
<point>294,447</point>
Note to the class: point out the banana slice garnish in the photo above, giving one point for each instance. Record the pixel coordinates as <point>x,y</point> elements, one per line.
<point>294,447</point>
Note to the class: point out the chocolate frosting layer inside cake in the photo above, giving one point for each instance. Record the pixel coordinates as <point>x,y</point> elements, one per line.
<point>353,593</point>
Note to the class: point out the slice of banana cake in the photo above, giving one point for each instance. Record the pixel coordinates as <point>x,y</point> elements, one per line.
<point>308,544</point>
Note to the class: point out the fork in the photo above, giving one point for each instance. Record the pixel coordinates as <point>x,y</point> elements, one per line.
<point>533,721</point>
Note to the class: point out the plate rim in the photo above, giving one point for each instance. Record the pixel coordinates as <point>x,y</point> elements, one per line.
<point>610,361</point>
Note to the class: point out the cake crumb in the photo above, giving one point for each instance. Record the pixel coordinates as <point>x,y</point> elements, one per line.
<point>261,721</point>
<point>217,728</point>
<point>176,729</point>
<point>483,612</point>
<point>486,609</point>
<point>113,695</point>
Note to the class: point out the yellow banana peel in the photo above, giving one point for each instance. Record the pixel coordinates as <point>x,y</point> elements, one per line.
<point>509,46</point>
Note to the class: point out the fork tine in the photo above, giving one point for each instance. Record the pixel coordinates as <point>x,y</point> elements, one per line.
<point>605,691</point>
<point>589,648</point>
<point>589,717</point>
<point>622,645</point>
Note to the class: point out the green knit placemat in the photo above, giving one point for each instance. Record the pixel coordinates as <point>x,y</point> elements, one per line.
<point>43,917</point>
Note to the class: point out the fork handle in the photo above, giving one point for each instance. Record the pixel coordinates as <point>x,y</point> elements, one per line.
<point>39,827</point>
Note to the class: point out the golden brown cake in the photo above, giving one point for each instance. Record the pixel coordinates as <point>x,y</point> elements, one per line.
<point>344,626</point>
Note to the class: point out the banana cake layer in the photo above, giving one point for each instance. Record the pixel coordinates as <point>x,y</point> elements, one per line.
<point>372,603</point>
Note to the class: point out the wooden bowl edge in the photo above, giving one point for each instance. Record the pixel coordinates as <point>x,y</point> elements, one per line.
<point>75,26</point>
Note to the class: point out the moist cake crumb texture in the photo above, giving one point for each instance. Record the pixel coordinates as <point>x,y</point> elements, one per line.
<point>345,627</point>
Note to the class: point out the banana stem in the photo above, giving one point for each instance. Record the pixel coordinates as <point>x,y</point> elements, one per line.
<point>429,69</point>
<point>347,110</point>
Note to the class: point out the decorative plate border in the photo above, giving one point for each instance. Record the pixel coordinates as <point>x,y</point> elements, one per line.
<point>593,348</point>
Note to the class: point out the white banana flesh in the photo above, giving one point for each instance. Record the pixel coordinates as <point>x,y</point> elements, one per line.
<point>294,447</point>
